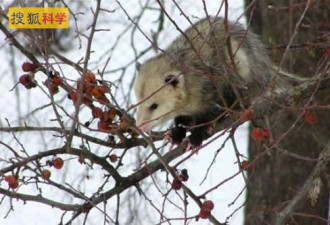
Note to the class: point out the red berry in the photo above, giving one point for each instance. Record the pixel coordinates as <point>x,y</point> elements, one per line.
<point>58,163</point>
<point>86,100</point>
<point>207,205</point>
<point>57,81</point>
<point>206,209</point>
<point>103,100</point>
<point>113,158</point>
<point>104,89</point>
<point>12,181</point>
<point>246,114</point>
<point>45,174</point>
<point>75,96</point>
<point>10,178</point>
<point>97,112</point>
<point>29,67</point>
<point>310,117</point>
<point>27,81</point>
<point>257,134</point>
<point>103,126</point>
<point>53,89</point>
<point>176,184</point>
<point>109,115</point>
<point>13,185</point>
<point>95,91</point>
<point>24,79</point>
<point>90,78</point>
<point>245,164</point>
<point>204,214</point>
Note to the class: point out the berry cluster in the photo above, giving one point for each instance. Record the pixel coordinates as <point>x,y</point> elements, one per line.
<point>27,80</point>
<point>107,121</point>
<point>52,83</point>
<point>57,163</point>
<point>89,89</point>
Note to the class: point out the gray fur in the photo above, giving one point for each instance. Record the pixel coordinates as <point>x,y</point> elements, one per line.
<point>210,57</point>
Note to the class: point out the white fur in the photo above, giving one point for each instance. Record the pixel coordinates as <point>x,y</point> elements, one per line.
<point>241,61</point>
<point>150,89</point>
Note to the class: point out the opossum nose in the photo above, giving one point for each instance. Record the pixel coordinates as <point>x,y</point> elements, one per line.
<point>144,126</point>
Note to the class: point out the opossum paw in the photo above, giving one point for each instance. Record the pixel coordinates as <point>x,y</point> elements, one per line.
<point>191,145</point>
<point>175,135</point>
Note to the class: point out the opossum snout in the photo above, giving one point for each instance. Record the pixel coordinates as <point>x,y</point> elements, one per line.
<point>144,126</point>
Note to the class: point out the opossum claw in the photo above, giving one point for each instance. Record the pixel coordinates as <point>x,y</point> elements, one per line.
<point>191,146</point>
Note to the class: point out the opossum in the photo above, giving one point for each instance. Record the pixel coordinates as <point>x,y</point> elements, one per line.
<point>198,79</point>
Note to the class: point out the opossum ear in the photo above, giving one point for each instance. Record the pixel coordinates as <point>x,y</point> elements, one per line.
<point>174,80</point>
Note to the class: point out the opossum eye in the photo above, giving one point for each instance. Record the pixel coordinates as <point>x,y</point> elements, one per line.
<point>153,106</point>
<point>172,80</point>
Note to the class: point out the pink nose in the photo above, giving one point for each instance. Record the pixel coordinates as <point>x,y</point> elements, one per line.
<point>145,127</point>
<point>140,124</point>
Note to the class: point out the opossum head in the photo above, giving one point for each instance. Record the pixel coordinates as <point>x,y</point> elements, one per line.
<point>160,93</point>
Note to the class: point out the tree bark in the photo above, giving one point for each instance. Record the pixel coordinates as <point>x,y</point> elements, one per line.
<point>280,183</point>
